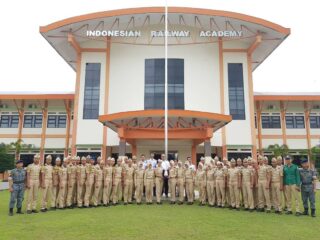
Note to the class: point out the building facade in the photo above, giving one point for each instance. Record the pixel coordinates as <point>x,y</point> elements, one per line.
<point>117,106</point>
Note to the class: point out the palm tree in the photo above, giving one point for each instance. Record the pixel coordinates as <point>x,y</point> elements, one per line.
<point>279,150</point>
<point>17,145</point>
<point>315,154</point>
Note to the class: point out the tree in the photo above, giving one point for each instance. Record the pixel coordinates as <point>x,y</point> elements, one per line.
<point>279,150</point>
<point>315,155</point>
<point>6,160</point>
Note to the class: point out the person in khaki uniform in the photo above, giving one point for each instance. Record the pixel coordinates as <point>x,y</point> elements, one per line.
<point>81,182</point>
<point>97,165</point>
<point>55,184</point>
<point>33,183</point>
<point>201,184</point>
<point>72,181</point>
<point>189,182</point>
<point>98,183</point>
<point>90,170</point>
<point>172,182</point>
<point>226,166</point>
<point>283,195</point>
<point>159,181</point>
<point>107,181</point>
<point>135,167</point>
<point>138,181</point>
<point>220,177</point>
<point>211,192</point>
<point>276,185</point>
<point>63,182</point>
<point>240,167</point>
<point>263,186</point>
<point>247,178</point>
<point>180,182</point>
<point>128,183</point>
<point>234,184</point>
<point>46,176</point>
<point>254,165</point>
<point>149,177</point>
<point>116,182</point>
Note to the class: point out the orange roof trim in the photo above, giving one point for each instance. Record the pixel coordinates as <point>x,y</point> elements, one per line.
<point>287,98</point>
<point>36,96</point>
<point>160,113</point>
<point>144,10</point>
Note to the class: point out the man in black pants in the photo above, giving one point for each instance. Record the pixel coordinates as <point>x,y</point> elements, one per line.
<point>165,165</point>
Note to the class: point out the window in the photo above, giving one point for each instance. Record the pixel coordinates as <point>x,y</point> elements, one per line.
<point>9,121</point>
<point>314,121</point>
<point>57,121</point>
<point>91,91</point>
<point>236,91</point>
<point>32,121</point>
<point>154,83</point>
<point>270,122</point>
<point>294,122</point>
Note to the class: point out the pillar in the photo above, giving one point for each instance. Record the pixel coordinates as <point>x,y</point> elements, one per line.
<point>207,150</point>
<point>122,148</point>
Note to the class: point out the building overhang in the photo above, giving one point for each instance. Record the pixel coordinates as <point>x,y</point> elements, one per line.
<point>68,36</point>
<point>149,124</point>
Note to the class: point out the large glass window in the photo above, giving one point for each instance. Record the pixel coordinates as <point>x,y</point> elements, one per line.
<point>314,121</point>
<point>9,121</point>
<point>270,122</point>
<point>32,121</point>
<point>57,121</point>
<point>236,91</point>
<point>91,91</point>
<point>154,83</point>
<point>295,122</point>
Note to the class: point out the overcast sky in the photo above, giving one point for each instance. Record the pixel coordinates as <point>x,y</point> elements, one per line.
<point>29,63</point>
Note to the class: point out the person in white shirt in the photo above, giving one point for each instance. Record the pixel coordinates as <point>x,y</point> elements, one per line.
<point>165,165</point>
<point>144,161</point>
<point>153,161</point>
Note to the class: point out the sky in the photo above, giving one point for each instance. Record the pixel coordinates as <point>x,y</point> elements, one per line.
<point>29,63</point>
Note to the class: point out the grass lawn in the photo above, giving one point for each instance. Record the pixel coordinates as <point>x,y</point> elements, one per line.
<point>155,222</point>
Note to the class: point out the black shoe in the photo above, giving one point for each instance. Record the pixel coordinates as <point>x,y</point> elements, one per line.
<point>288,212</point>
<point>19,211</point>
<point>11,212</point>
<point>298,214</point>
<point>313,213</point>
<point>34,211</point>
<point>305,212</point>
<point>43,210</point>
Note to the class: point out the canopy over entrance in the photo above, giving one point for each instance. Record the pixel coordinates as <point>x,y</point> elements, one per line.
<point>149,124</point>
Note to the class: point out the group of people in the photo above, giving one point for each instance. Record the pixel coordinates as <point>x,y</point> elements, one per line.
<point>83,183</point>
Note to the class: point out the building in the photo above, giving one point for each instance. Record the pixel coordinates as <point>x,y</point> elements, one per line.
<point>117,105</point>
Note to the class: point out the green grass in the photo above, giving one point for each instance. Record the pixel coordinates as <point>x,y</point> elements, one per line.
<point>155,222</point>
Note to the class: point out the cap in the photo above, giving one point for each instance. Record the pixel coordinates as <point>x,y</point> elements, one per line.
<point>304,160</point>
<point>287,157</point>
<point>19,161</point>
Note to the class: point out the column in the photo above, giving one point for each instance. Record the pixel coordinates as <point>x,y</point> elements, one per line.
<point>122,148</point>
<point>207,150</point>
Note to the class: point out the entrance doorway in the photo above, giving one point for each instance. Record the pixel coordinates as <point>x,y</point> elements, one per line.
<point>172,155</point>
